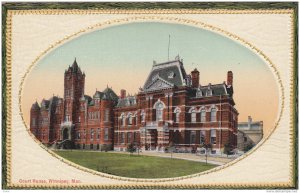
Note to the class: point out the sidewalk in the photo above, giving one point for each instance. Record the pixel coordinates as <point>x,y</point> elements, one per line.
<point>188,156</point>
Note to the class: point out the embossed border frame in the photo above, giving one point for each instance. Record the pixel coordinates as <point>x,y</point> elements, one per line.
<point>6,75</point>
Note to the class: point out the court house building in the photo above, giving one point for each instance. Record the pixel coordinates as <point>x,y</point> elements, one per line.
<point>172,108</point>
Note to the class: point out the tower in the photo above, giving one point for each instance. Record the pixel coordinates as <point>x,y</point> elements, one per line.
<point>73,90</point>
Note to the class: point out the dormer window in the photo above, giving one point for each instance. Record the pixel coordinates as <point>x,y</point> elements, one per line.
<point>199,93</point>
<point>209,92</point>
<point>171,74</point>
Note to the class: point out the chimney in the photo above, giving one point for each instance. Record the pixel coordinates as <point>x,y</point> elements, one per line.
<point>229,78</point>
<point>249,122</point>
<point>123,93</point>
<point>195,78</point>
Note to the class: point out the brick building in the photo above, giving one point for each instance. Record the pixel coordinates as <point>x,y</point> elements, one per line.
<point>171,108</point>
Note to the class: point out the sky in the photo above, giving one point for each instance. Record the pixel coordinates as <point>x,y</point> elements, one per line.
<point>122,56</point>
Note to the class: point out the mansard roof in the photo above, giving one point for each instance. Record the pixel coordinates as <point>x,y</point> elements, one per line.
<point>213,90</point>
<point>127,101</point>
<point>167,74</point>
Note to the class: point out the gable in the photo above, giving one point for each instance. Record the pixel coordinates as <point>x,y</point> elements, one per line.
<point>158,84</point>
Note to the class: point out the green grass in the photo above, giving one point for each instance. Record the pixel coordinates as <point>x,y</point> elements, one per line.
<point>135,166</point>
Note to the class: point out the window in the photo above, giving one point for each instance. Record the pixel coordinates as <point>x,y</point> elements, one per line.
<point>202,137</point>
<point>98,133</point>
<point>203,115</point>
<point>106,117</point>
<point>134,136</point>
<point>128,137</point>
<point>136,120</point>
<point>213,114</point>
<point>79,119</point>
<point>123,120</point>
<point>193,116</point>
<point>193,137</point>
<point>143,117</point>
<point>159,112</point>
<point>122,138</point>
<point>177,117</point>
<point>245,139</point>
<point>33,121</point>
<point>91,146</point>
<point>67,118</point>
<point>177,114</point>
<point>92,133</point>
<point>130,120</point>
<point>213,139</point>
<point>45,121</point>
<point>106,134</point>
<point>78,134</point>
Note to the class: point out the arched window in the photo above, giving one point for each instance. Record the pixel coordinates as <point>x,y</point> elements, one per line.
<point>193,116</point>
<point>213,114</point>
<point>203,115</point>
<point>130,120</point>
<point>123,120</point>
<point>177,115</point>
<point>159,112</point>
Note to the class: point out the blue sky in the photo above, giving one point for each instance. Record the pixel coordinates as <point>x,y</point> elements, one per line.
<point>122,56</point>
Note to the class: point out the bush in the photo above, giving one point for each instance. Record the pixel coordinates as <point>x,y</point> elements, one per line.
<point>131,148</point>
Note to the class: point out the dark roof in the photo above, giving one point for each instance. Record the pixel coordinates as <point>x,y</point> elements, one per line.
<point>172,73</point>
<point>35,105</point>
<point>109,94</point>
<point>212,90</point>
<point>126,102</point>
<point>74,68</point>
<point>45,104</point>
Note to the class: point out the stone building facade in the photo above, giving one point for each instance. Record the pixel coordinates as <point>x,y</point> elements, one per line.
<point>171,108</point>
<point>250,133</point>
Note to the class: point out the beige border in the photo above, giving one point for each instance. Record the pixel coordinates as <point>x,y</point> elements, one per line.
<point>106,24</point>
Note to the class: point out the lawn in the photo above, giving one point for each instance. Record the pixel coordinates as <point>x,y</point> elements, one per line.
<point>133,165</point>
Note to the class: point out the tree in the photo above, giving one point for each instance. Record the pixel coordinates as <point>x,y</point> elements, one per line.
<point>137,147</point>
<point>171,148</point>
<point>206,146</point>
<point>248,147</point>
<point>227,149</point>
<point>131,148</point>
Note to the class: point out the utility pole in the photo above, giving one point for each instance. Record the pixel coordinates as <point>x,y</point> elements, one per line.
<point>169,49</point>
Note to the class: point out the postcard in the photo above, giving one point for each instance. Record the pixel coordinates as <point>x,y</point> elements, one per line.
<point>149,95</point>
